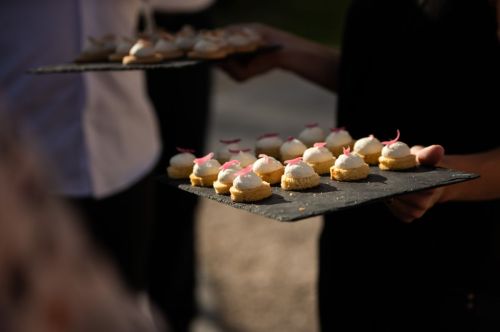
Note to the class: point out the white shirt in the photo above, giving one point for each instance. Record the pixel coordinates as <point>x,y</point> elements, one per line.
<point>97,130</point>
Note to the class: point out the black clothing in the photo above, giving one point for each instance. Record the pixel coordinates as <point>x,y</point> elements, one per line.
<point>438,81</point>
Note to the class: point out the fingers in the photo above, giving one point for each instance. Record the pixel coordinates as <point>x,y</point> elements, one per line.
<point>430,155</point>
<point>413,206</point>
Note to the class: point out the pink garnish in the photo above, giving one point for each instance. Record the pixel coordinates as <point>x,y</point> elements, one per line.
<point>293,161</point>
<point>268,135</point>
<point>311,125</point>
<point>265,156</point>
<point>394,140</point>
<point>347,151</point>
<point>183,150</point>
<point>244,171</point>
<point>336,130</point>
<point>371,136</point>
<point>239,150</point>
<point>290,138</point>
<point>320,145</point>
<point>202,160</point>
<point>230,141</point>
<point>229,164</point>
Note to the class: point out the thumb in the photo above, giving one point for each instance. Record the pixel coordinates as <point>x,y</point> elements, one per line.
<point>430,155</point>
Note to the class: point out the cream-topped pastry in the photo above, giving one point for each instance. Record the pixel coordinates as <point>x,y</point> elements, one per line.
<point>186,38</point>
<point>243,156</point>
<point>269,144</point>
<point>249,187</point>
<point>205,171</point>
<point>97,49</point>
<point>122,49</point>
<point>319,158</point>
<point>181,165</point>
<point>311,134</point>
<point>338,139</point>
<point>143,51</point>
<point>349,167</point>
<point>268,168</point>
<point>224,154</point>
<point>369,149</point>
<point>227,173</point>
<point>241,42</point>
<point>209,46</point>
<point>292,149</point>
<point>396,155</point>
<point>167,48</point>
<point>299,175</point>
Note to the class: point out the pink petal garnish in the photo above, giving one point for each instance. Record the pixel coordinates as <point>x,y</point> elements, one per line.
<point>371,136</point>
<point>293,161</point>
<point>230,141</point>
<point>336,130</point>
<point>290,138</point>
<point>244,171</point>
<point>347,151</point>
<point>265,156</point>
<point>203,160</point>
<point>229,164</point>
<point>268,135</point>
<point>234,151</point>
<point>183,150</point>
<point>311,125</point>
<point>320,145</point>
<point>394,140</point>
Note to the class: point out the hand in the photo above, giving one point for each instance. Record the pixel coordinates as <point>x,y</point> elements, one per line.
<point>413,206</point>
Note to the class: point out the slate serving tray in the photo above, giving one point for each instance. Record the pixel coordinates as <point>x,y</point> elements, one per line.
<point>332,195</point>
<point>170,64</point>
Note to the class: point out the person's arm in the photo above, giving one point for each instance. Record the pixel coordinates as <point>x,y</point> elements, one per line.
<point>487,187</point>
<point>312,61</point>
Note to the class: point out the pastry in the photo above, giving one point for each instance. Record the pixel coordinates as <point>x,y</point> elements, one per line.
<point>249,187</point>
<point>292,149</point>
<point>227,173</point>
<point>338,139</point>
<point>209,46</point>
<point>268,168</point>
<point>319,158</point>
<point>97,49</point>
<point>269,144</point>
<point>205,171</point>
<point>143,51</point>
<point>349,167</point>
<point>122,49</point>
<point>243,156</point>
<point>369,149</point>
<point>186,38</point>
<point>396,156</point>
<point>312,134</point>
<point>299,175</point>
<point>167,48</point>
<point>181,165</point>
<point>241,42</point>
<point>223,154</point>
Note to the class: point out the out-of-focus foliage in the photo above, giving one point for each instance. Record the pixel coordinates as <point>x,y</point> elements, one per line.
<point>321,20</point>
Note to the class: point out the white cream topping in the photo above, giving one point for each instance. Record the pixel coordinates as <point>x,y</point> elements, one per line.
<point>184,159</point>
<point>396,150</point>
<point>244,158</point>
<point>185,42</point>
<point>266,165</point>
<point>338,138</point>
<point>317,155</point>
<point>142,49</point>
<point>224,154</point>
<point>206,46</point>
<point>247,181</point>
<point>227,175</point>
<point>349,161</point>
<point>293,147</point>
<point>209,167</point>
<point>163,45</point>
<point>312,135</point>
<point>269,142</point>
<point>368,145</point>
<point>299,170</point>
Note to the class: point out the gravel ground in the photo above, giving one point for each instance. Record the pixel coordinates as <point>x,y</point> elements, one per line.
<point>258,274</point>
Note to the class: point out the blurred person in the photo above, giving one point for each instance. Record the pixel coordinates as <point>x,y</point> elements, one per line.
<point>97,130</point>
<point>430,68</point>
<point>178,96</point>
<point>51,279</point>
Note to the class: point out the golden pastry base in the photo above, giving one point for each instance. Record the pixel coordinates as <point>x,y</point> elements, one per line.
<point>370,159</point>
<point>251,195</point>
<point>179,172</point>
<point>395,164</point>
<point>352,174</point>
<point>322,167</point>
<point>222,188</point>
<point>273,177</point>
<point>289,183</point>
<point>203,181</point>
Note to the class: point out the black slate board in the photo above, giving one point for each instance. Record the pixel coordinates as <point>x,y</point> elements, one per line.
<point>113,66</point>
<point>332,195</point>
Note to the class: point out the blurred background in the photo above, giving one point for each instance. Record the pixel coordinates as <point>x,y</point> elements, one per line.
<point>257,274</point>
